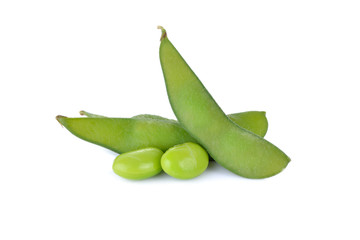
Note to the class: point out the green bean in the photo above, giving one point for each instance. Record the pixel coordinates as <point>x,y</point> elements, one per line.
<point>139,164</point>
<point>185,161</point>
<point>233,147</point>
<point>127,134</point>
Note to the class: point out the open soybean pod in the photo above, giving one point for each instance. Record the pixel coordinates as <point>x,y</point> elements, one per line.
<point>233,147</point>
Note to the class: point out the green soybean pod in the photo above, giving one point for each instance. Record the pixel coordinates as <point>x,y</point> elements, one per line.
<point>185,161</point>
<point>127,134</point>
<point>254,121</point>
<point>139,164</point>
<point>232,146</point>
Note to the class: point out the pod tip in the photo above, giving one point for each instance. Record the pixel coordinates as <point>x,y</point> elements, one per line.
<point>163,32</point>
<point>82,112</point>
<point>59,118</point>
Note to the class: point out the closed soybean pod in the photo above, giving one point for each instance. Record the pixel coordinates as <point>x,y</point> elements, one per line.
<point>126,134</point>
<point>254,121</point>
<point>232,146</point>
<point>129,134</point>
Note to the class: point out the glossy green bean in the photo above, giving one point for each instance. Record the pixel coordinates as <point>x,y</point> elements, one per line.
<point>185,161</point>
<point>139,164</point>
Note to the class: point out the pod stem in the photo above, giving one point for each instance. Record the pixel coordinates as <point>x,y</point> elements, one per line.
<point>90,115</point>
<point>163,33</point>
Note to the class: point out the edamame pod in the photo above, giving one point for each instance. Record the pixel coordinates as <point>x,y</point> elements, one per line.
<point>127,134</point>
<point>254,121</point>
<point>233,147</point>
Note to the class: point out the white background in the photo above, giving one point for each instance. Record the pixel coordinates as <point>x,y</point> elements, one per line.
<point>297,60</point>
